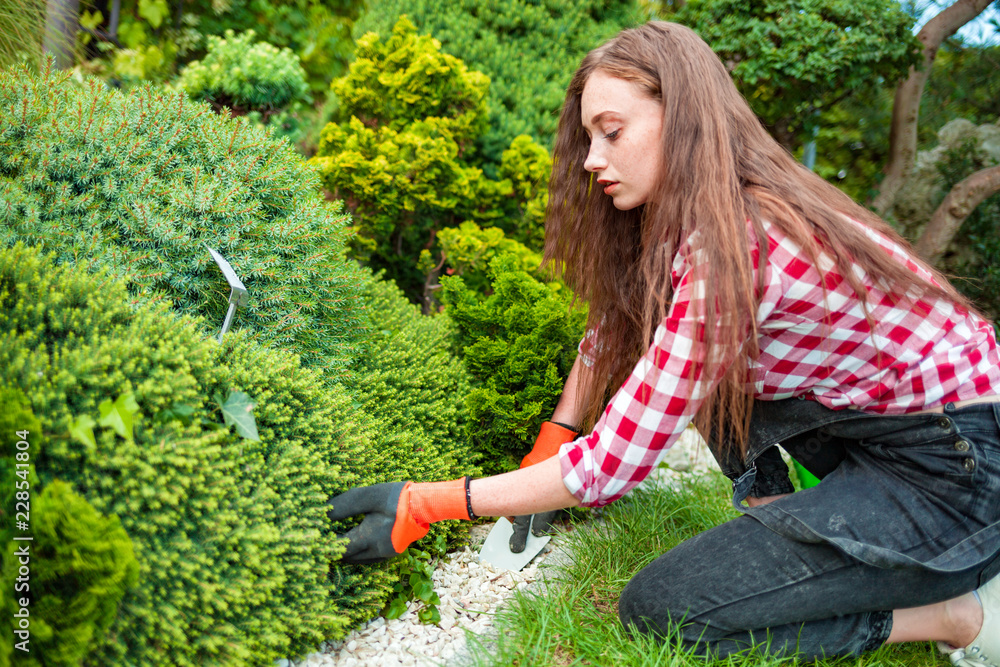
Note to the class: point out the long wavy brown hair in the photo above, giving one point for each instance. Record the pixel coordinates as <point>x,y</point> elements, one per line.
<point>720,168</point>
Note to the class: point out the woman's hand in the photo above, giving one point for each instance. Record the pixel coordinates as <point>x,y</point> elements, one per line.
<point>551,436</point>
<point>396,514</point>
<point>399,513</point>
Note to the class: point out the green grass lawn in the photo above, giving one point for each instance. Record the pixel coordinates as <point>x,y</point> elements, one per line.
<point>572,620</point>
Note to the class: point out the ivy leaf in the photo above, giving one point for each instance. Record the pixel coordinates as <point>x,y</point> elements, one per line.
<point>396,608</point>
<point>424,591</point>
<point>178,411</point>
<point>153,11</point>
<point>429,615</point>
<point>237,410</point>
<point>82,429</point>
<point>119,415</point>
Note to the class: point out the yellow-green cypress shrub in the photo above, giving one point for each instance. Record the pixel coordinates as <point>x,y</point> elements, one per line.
<point>237,559</point>
<point>401,151</point>
<point>80,565</point>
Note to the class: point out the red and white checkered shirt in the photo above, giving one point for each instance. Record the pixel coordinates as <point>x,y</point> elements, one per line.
<point>928,354</point>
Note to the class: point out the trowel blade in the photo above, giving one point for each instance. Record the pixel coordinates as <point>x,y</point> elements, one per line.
<point>496,549</point>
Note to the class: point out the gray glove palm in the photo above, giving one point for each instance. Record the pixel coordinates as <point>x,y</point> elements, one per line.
<point>540,524</point>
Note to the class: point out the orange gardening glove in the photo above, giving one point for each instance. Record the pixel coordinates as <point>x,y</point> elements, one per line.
<point>550,437</point>
<point>396,515</point>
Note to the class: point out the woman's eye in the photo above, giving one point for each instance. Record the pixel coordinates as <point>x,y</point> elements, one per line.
<point>611,136</point>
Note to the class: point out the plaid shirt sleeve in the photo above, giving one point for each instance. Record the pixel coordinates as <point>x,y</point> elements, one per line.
<point>650,411</point>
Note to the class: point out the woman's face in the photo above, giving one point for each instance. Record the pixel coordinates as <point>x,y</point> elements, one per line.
<point>624,125</point>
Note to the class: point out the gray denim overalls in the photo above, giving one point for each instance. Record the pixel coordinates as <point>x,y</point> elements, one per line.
<point>907,514</point>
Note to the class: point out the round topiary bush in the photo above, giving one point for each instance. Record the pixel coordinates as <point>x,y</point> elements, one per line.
<point>143,183</point>
<point>243,76</point>
<point>236,557</point>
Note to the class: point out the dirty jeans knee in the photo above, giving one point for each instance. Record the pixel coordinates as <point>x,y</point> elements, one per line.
<point>634,614</point>
<point>647,607</point>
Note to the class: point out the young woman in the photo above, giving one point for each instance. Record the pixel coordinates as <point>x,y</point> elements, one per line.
<point>731,287</point>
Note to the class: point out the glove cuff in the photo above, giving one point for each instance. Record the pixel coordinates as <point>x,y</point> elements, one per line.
<point>420,505</point>
<point>439,501</point>
<point>551,437</point>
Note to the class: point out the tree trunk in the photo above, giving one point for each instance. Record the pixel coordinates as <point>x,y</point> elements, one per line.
<point>964,197</point>
<point>62,20</point>
<point>116,13</point>
<point>906,106</point>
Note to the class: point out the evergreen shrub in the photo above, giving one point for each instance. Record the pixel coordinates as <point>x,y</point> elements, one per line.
<point>528,48</point>
<point>236,557</point>
<point>415,387</point>
<point>399,154</point>
<point>141,183</point>
<point>318,31</point>
<point>411,376</point>
<point>519,344</point>
<point>81,564</point>
<point>468,249</point>
<point>406,78</point>
<point>243,76</point>
<point>793,59</point>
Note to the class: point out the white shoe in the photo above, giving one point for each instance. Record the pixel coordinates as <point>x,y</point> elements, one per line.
<point>984,651</point>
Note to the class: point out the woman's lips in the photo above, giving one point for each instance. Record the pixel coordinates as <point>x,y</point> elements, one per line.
<point>610,187</point>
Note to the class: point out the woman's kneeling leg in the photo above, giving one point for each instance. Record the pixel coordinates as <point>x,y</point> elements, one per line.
<point>740,586</point>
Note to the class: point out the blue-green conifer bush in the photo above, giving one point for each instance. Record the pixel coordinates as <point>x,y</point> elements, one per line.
<point>236,558</point>
<point>519,344</point>
<point>141,183</point>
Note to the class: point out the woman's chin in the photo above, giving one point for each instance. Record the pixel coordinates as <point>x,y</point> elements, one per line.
<point>623,204</point>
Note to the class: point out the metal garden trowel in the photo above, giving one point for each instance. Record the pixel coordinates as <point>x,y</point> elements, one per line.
<point>496,549</point>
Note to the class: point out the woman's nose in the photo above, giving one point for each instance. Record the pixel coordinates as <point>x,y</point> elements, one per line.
<point>595,160</point>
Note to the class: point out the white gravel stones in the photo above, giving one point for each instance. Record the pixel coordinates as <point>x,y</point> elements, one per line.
<point>470,592</point>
